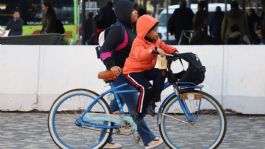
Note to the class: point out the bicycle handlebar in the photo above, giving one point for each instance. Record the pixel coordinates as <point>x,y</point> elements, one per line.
<point>170,57</point>
<point>108,75</point>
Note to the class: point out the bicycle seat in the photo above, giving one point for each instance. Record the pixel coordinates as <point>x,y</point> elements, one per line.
<point>107,75</point>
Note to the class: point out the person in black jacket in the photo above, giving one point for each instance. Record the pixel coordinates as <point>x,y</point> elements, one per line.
<point>180,20</point>
<point>103,19</point>
<point>15,25</point>
<point>49,21</point>
<point>114,59</point>
<point>88,28</point>
<point>216,23</point>
<point>253,21</point>
<point>106,16</point>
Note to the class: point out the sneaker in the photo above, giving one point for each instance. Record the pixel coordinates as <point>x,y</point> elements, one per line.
<point>112,146</point>
<point>154,143</point>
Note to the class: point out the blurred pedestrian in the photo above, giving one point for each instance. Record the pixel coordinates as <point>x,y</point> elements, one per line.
<point>216,23</point>
<point>234,17</point>
<point>199,25</point>
<point>50,23</point>
<point>15,25</point>
<point>253,21</point>
<point>259,34</point>
<point>180,20</point>
<point>106,16</point>
<point>89,28</point>
<point>200,19</point>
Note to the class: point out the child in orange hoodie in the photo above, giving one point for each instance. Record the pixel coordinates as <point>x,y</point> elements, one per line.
<point>139,66</point>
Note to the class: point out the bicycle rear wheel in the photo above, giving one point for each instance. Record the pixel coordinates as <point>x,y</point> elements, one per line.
<point>61,121</point>
<point>205,128</point>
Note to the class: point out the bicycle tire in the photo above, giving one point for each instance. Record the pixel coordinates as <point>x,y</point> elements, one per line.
<point>63,113</point>
<point>179,133</point>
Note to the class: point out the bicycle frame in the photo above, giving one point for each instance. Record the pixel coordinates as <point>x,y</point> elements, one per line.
<point>115,91</point>
<point>182,107</point>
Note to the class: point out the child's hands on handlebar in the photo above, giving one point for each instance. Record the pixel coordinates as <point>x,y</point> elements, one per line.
<point>162,53</point>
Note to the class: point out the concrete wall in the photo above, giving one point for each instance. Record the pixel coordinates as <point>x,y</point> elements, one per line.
<point>31,77</point>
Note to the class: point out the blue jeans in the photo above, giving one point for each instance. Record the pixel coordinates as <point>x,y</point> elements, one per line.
<point>130,99</point>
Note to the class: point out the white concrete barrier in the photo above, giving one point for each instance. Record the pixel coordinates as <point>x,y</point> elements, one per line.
<point>244,79</point>
<point>18,77</point>
<point>31,77</point>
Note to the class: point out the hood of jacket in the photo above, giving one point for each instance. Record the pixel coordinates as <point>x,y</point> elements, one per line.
<point>123,10</point>
<point>144,24</point>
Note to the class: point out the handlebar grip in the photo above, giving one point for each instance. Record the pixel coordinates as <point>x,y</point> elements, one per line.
<point>172,57</point>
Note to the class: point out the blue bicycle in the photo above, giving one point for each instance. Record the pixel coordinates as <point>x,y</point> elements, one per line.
<point>187,118</point>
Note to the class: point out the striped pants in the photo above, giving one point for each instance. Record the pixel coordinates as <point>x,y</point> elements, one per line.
<point>147,91</point>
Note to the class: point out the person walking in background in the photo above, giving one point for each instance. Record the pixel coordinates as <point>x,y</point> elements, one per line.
<point>50,23</point>
<point>200,26</point>
<point>15,25</point>
<point>260,28</point>
<point>253,21</point>
<point>89,28</point>
<point>234,17</point>
<point>216,23</point>
<point>180,20</point>
<point>200,19</point>
<point>106,16</point>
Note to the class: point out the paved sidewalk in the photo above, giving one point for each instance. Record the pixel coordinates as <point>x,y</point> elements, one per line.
<point>29,131</point>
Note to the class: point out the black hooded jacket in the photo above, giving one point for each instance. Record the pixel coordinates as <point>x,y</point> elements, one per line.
<point>115,36</point>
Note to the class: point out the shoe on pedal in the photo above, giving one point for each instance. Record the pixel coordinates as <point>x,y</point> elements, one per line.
<point>154,143</point>
<point>112,146</point>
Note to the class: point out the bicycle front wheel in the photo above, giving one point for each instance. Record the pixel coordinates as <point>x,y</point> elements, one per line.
<point>197,120</point>
<point>61,122</point>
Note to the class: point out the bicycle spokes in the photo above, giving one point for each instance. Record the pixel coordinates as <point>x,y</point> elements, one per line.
<point>196,119</point>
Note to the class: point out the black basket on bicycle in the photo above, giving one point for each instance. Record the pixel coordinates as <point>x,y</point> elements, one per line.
<point>195,73</point>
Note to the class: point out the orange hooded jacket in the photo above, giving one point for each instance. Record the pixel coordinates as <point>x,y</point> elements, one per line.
<point>140,59</point>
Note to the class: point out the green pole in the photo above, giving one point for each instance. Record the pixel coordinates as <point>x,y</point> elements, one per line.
<point>75,12</point>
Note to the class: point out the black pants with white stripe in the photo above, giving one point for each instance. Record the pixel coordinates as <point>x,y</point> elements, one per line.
<point>147,91</point>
